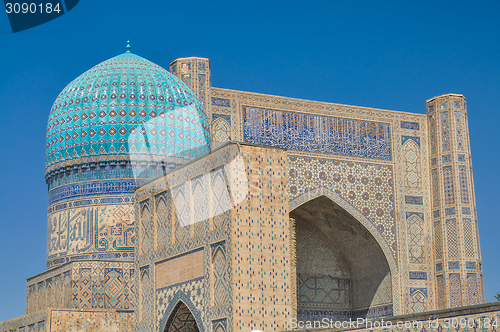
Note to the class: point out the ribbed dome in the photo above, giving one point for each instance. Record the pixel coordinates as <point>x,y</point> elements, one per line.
<point>125,108</point>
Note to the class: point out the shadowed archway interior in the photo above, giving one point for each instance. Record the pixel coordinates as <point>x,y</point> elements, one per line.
<point>342,272</point>
<point>181,320</point>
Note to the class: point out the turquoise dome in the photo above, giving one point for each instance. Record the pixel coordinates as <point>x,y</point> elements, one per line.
<point>124,109</point>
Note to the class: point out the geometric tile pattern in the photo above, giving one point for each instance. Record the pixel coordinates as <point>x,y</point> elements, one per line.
<point>418,298</point>
<point>103,284</point>
<point>82,291</point>
<point>200,190</point>
<point>221,276</point>
<point>449,193</point>
<point>113,285</point>
<point>433,133</point>
<point>462,178</point>
<point>255,302</point>
<point>221,130</point>
<point>188,293</point>
<point>455,290</point>
<point>411,162</point>
<point>468,237</point>
<point>211,183</point>
<point>452,165</point>
<point>416,248</point>
<point>164,219</point>
<point>458,131</point>
<point>322,291</point>
<point>441,292</point>
<point>146,304</point>
<point>436,201</point>
<point>472,289</point>
<point>445,132</point>
<point>182,320</point>
<point>147,237</point>
<point>368,187</point>
<point>452,237</point>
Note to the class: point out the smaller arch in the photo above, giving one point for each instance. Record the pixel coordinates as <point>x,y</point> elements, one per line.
<point>219,249</point>
<point>144,271</point>
<point>418,301</point>
<point>144,206</point>
<point>221,130</point>
<point>219,328</point>
<point>159,200</point>
<point>411,163</point>
<point>179,300</point>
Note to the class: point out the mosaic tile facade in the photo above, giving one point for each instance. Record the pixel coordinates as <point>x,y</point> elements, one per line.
<point>83,285</point>
<point>412,167</point>
<point>246,264</point>
<point>416,248</point>
<point>451,176</point>
<point>209,298</point>
<point>368,187</point>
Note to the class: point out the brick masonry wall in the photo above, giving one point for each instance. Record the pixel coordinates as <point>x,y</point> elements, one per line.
<point>262,280</point>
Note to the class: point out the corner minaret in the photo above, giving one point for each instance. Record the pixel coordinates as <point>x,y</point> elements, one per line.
<point>457,256</point>
<point>195,73</point>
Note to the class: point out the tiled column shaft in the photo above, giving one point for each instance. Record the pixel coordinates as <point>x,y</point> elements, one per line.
<point>456,243</point>
<point>195,73</point>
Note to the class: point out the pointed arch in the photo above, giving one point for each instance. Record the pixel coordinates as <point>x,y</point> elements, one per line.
<point>221,201</point>
<point>219,328</point>
<point>411,164</point>
<point>182,206</point>
<point>418,298</point>
<point>358,241</point>
<point>221,130</point>
<point>219,249</point>
<point>144,294</point>
<point>348,207</point>
<point>200,192</point>
<point>180,301</point>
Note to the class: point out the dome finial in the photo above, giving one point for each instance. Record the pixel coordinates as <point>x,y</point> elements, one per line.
<point>128,46</point>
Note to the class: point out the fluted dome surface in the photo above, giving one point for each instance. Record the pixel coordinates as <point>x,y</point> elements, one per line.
<point>125,108</point>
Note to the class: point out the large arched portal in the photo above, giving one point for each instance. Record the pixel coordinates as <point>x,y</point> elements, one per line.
<point>342,271</point>
<point>181,320</point>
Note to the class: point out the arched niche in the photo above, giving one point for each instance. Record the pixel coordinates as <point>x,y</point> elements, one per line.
<point>181,320</point>
<point>343,270</point>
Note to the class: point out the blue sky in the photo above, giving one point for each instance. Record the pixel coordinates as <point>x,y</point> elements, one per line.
<point>391,55</point>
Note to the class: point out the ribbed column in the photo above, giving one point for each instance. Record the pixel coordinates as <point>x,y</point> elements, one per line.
<point>456,242</point>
